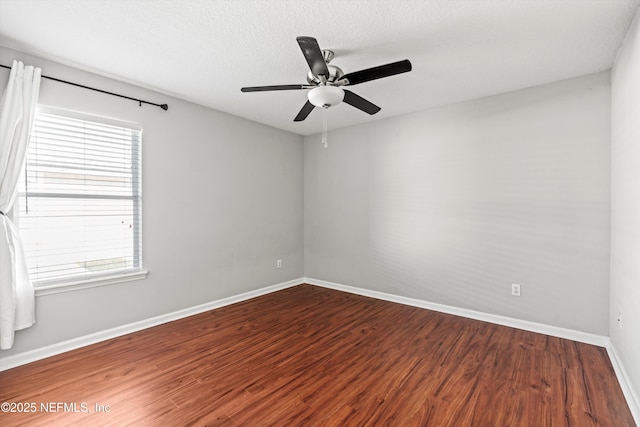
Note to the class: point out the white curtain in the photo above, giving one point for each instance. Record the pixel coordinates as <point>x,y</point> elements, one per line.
<point>17,110</point>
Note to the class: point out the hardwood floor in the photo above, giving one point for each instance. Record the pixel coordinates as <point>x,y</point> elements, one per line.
<point>313,356</point>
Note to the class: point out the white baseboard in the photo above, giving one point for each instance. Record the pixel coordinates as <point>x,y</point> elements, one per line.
<point>526,325</point>
<point>72,344</point>
<point>625,383</point>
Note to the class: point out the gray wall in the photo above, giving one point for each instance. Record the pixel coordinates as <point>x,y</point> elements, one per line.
<point>453,205</point>
<point>625,205</point>
<point>222,200</point>
<point>449,205</point>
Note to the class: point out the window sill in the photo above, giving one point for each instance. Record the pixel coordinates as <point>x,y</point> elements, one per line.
<point>57,288</point>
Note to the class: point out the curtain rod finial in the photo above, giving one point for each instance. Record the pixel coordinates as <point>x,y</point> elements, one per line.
<point>165,107</point>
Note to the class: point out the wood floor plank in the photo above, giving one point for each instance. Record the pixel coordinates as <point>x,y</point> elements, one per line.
<point>313,356</point>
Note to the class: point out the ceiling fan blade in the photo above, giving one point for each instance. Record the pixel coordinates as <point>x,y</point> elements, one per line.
<point>277,87</point>
<point>359,102</point>
<point>306,109</point>
<point>313,55</point>
<point>378,72</point>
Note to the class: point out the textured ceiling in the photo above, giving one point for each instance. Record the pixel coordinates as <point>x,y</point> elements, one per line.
<point>205,50</point>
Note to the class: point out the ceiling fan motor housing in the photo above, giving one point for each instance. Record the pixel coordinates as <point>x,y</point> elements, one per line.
<point>334,75</point>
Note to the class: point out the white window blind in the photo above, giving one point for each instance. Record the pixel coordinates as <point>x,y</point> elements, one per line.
<point>79,201</point>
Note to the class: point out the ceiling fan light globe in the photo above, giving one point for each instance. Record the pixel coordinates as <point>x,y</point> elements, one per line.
<point>326,96</point>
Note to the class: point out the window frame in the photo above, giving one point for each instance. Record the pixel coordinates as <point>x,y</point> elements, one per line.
<point>138,272</point>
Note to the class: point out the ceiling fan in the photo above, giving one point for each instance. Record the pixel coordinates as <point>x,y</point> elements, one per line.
<point>326,81</point>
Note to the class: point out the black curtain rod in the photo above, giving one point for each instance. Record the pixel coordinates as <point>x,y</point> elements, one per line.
<point>139,101</point>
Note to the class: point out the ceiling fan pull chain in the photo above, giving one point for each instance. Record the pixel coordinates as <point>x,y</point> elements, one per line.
<point>324,127</point>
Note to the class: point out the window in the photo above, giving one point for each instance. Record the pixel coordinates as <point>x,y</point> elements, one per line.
<point>79,200</point>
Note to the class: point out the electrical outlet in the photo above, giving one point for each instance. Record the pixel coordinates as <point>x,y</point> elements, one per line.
<point>619,319</point>
<point>279,263</point>
<point>515,289</point>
